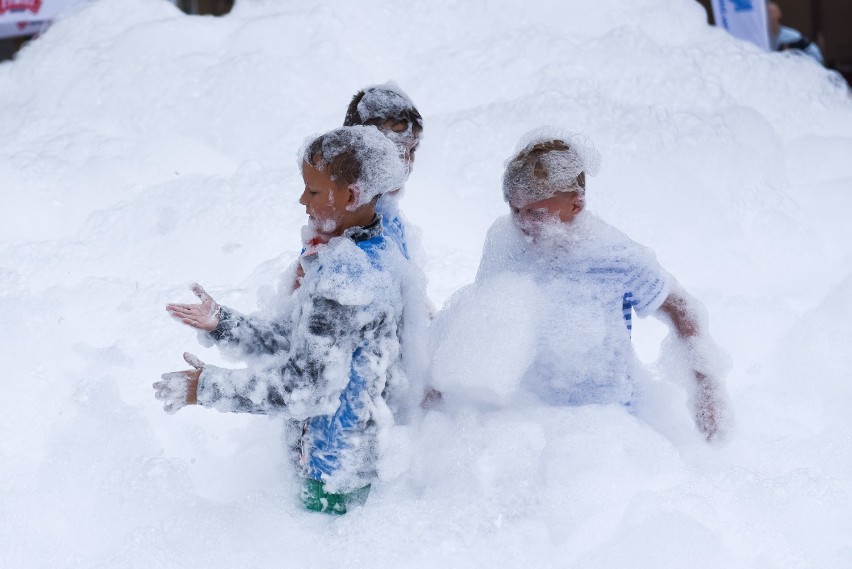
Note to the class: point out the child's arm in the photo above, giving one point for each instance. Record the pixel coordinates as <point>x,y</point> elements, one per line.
<point>248,334</point>
<point>685,317</point>
<point>310,378</point>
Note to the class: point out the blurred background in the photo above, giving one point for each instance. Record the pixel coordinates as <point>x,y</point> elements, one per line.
<point>15,35</point>
<point>828,23</point>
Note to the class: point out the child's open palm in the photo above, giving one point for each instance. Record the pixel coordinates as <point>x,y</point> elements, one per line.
<point>204,316</point>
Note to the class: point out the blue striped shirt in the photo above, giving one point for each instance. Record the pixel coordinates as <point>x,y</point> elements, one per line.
<point>586,288</point>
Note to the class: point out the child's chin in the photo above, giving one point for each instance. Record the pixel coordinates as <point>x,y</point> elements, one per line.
<point>322,225</point>
<point>543,230</point>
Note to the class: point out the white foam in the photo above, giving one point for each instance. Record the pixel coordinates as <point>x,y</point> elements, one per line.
<point>144,149</point>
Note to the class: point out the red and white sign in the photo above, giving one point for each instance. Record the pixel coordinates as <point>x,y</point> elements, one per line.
<point>19,6</point>
<point>32,6</point>
<point>27,17</point>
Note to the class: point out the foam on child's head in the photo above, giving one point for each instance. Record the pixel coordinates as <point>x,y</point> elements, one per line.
<point>357,155</point>
<point>377,104</point>
<point>549,160</point>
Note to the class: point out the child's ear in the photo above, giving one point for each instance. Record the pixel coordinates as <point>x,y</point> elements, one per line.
<point>354,197</point>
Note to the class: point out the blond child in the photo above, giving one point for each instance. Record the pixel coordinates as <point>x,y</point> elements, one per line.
<point>590,278</point>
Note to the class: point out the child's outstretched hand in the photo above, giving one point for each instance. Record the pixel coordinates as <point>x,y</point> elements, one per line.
<point>204,316</point>
<point>179,388</point>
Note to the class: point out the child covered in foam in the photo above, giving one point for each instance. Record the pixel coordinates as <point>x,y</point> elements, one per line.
<point>572,284</point>
<point>329,361</point>
<point>391,110</point>
<point>387,107</point>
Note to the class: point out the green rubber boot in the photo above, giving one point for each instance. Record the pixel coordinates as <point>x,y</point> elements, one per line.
<point>315,498</point>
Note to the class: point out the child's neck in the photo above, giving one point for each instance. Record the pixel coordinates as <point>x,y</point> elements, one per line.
<point>361,217</point>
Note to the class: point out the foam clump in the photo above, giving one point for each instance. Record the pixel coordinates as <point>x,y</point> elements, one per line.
<point>484,339</point>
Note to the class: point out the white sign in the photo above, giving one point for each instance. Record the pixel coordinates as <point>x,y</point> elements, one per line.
<point>22,29</point>
<point>745,19</point>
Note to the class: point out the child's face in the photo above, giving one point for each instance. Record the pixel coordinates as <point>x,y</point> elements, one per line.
<point>402,133</point>
<point>326,202</point>
<point>562,207</point>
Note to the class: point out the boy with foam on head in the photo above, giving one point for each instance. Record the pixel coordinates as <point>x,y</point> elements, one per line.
<point>589,278</point>
<point>331,359</point>
<point>393,112</point>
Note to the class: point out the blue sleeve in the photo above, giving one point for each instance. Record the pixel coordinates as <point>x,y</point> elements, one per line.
<point>814,51</point>
<point>647,285</point>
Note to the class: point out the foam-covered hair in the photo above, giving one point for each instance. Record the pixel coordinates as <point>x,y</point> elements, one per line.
<point>549,160</point>
<point>357,155</point>
<point>378,103</point>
